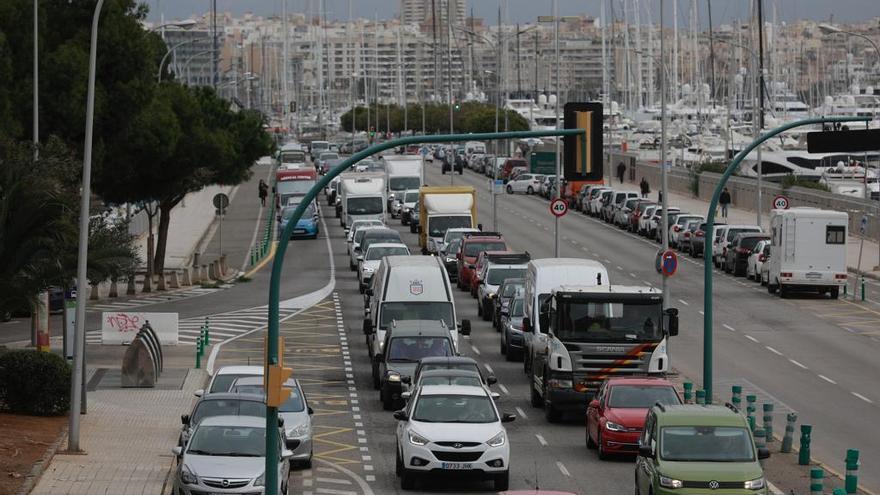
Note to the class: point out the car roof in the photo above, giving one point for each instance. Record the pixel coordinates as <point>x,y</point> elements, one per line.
<point>449,372</point>
<point>639,380</point>
<point>382,231</point>
<point>231,396</point>
<point>452,390</point>
<point>250,421</point>
<point>744,235</point>
<point>449,360</point>
<point>412,328</point>
<point>698,415</point>
<point>386,244</point>
<point>240,370</point>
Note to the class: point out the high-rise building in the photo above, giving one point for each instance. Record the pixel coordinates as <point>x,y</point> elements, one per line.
<point>423,11</point>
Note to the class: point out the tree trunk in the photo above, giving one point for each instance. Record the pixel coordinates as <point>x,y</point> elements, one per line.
<point>164,221</point>
<point>148,278</point>
<point>113,288</point>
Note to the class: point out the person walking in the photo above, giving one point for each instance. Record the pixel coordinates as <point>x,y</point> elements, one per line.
<point>263,191</point>
<point>724,201</point>
<point>645,188</point>
<point>621,171</point>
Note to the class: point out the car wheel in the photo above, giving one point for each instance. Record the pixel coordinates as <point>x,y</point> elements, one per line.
<point>530,190</point>
<point>377,384</point>
<point>771,288</point>
<point>509,190</point>
<point>487,315</point>
<point>783,291</point>
<point>480,310</point>
<point>534,399</point>
<point>502,481</point>
<point>834,292</point>
<point>407,480</point>
<point>503,345</point>
<point>307,464</point>
<point>600,449</point>
<point>351,266</point>
<point>398,464</point>
<point>590,443</point>
<point>361,287</point>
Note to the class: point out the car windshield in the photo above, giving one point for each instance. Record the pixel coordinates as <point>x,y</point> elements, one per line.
<point>293,157</point>
<point>439,225</point>
<point>295,402</point>
<point>365,206</point>
<point>584,321</point>
<point>246,389</point>
<point>329,156</point>
<point>749,242</point>
<point>232,441</point>
<point>516,309</point>
<point>706,444</point>
<point>498,275</point>
<point>405,311</point>
<point>453,246</point>
<point>377,253</point>
<point>378,238</point>
<point>454,409</point>
<point>294,187</point>
<point>222,382</point>
<point>467,381</point>
<point>475,248</point>
<point>641,396</point>
<point>733,232</point>
<point>227,407</point>
<point>359,235</point>
<point>403,183</point>
<point>411,197</point>
<point>453,235</point>
<point>308,213</point>
<point>510,289</point>
<point>411,349</point>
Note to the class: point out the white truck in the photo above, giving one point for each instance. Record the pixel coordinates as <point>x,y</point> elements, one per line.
<point>363,197</point>
<point>443,208</point>
<point>807,251</point>
<point>403,173</point>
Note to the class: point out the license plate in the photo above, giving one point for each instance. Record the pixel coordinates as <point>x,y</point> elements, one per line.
<point>299,231</point>
<point>813,276</point>
<point>456,465</point>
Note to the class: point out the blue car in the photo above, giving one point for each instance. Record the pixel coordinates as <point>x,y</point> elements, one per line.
<point>306,227</point>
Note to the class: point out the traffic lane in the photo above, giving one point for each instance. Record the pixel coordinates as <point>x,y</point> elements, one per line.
<point>733,357</point>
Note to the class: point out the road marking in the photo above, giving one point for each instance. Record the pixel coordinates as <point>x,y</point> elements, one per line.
<point>860,396</point>
<point>683,302</point>
<point>541,439</point>
<point>799,365</point>
<point>489,369</point>
<point>562,468</point>
<point>633,275</point>
<point>829,380</point>
<point>521,413</point>
<point>619,267</point>
<point>337,481</point>
<point>476,351</point>
<point>752,339</point>
<point>701,312</point>
<point>503,389</point>
<point>774,351</point>
<point>725,325</point>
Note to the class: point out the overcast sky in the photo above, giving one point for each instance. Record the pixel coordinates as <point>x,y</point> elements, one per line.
<point>527,10</point>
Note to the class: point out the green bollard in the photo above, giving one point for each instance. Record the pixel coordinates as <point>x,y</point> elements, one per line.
<point>760,439</point>
<point>208,332</point>
<point>862,281</point>
<point>736,396</point>
<point>851,481</point>
<point>804,453</point>
<point>817,485</point>
<point>199,353</point>
<point>701,397</point>
<point>752,423</point>
<point>788,438</point>
<point>768,421</point>
<point>838,491</point>
<point>688,392</point>
<point>750,409</point>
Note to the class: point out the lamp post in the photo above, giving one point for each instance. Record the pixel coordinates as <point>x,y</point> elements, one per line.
<point>165,57</point>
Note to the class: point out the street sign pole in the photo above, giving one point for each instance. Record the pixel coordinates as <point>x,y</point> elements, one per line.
<point>272,330</point>
<point>710,226</point>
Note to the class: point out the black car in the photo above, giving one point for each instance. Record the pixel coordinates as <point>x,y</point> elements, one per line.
<point>737,256</point>
<point>450,259</point>
<point>457,163</point>
<point>455,363</point>
<point>506,292</point>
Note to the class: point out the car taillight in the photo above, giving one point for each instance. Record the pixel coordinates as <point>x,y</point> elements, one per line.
<point>686,234</point>
<point>700,233</point>
<point>676,228</point>
<point>785,274</point>
<point>762,258</point>
<point>840,276</point>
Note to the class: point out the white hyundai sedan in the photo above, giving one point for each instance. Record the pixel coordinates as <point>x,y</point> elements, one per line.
<point>452,430</point>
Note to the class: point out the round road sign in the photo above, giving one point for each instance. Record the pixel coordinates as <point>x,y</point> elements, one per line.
<point>559,207</point>
<point>670,263</point>
<point>221,201</point>
<point>781,202</point>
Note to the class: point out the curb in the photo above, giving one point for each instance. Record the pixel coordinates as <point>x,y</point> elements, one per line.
<point>40,466</point>
<point>260,264</point>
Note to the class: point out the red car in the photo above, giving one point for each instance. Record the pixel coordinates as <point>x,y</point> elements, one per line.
<point>472,244</point>
<point>637,213</point>
<point>616,417</point>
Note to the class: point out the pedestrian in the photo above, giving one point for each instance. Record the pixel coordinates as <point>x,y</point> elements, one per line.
<point>660,196</point>
<point>621,171</point>
<point>263,190</point>
<point>724,201</point>
<point>645,187</point>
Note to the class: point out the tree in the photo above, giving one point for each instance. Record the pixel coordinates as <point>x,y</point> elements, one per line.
<point>470,117</point>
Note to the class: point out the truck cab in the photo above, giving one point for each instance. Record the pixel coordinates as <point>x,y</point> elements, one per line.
<point>593,332</point>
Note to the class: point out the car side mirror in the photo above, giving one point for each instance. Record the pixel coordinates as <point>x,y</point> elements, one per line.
<point>495,395</point>
<point>200,392</point>
<point>406,379</point>
<point>400,415</point>
<point>360,257</point>
<point>177,450</point>
<point>286,454</point>
<point>763,453</point>
<point>508,418</point>
<point>368,326</point>
<point>491,380</point>
<point>368,291</point>
<point>672,322</point>
<point>184,419</point>
<point>465,327</point>
<point>405,395</point>
<point>310,410</point>
<point>646,451</point>
<point>527,324</point>
<point>594,404</point>
<point>504,312</point>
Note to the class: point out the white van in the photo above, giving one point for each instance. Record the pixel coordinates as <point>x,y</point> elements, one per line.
<point>544,275</point>
<point>409,288</point>
<point>363,197</point>
<point>807,251</point>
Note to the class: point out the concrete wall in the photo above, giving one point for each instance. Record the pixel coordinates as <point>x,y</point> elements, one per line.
<point>744,191</point>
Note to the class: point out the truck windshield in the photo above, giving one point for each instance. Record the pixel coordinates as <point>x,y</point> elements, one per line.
<point>293,157</point>
<point>437,226</point>
<point>411,349</point>
<point>583,321</point>
<point>411,197</point>
<point>403,311</point>
<point>294,187</point>
<point>498,275</point>
<point>403,183</point>
<point>365,206</point>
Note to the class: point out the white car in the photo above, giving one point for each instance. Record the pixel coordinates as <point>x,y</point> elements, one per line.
<point>645,219</point>
<point>448,429</point>
<point>368,266</point>
<point>756,260</point>
<point>409,200</point>
<point>723,236</point>
<point>525,183</point>
<point>356,242</point>
<point>226,376</point>
<point>357,224</point>
<point>599,200</point>
<point>681,221</point>
<point>655,225</point>
<point>454,233</point>
<point>400,201</point>
<point>621,215</point>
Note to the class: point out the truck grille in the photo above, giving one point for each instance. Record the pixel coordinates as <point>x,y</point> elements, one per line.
<point>593,363</point>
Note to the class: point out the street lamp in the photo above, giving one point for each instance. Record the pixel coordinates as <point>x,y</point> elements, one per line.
<point>830,29</point>
<point>185,24</point>
<point>170,50</point>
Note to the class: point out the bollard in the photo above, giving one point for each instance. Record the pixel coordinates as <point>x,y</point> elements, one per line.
<point>688,392</point>
<point>760,439</point>
<point>701,397</point>
<point>788,438</point>
<point>804,453</point>
<point>768,421</point>
<point>816,482</point>
<point>736,396</point>
<point>838,491</point>
<point>862,283</point>
<point>851,481</point>
<point>199,353</point>
<point>750,409</point>
<point>752,423</point>
<point>207,331</point>
<point>845,290</point>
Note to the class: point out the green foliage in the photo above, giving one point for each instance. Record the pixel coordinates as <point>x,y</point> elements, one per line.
<point>790,181</point>
<point>716,167</point>
<point>35,383</point>
<point>469,117</point>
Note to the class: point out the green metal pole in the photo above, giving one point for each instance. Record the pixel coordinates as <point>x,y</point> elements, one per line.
<point>710,227</point>
<point>271,473</point>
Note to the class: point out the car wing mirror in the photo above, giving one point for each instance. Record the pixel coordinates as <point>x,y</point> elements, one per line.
<point>491,380</point>
<point>286,454</point>
<point>495,395</point>
<point>177,450</point>
<point>310,410</point>
<point>200,392</point>
<point>646,451</point>
<point>508,418</point>
<point>594,404</point>
<point>400,415</point>
<point>368,326</point>
<point>405,395</point>
<point>406,379</point>
<point>763,453</point>
<point>184,419</point>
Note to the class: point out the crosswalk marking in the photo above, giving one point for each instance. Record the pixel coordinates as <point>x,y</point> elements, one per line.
<point>174,295</point>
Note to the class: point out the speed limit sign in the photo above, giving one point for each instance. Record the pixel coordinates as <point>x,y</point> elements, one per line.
<point>559,207</point>
<point>780,203</point>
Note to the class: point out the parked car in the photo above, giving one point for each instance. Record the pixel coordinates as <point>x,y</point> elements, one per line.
<point>509,165</point>
<point>225,376</point>
<point>645,219</point>
<point>655,223</point>
<point>698,240</point>
<point>756,260</point>
<point>592,195</point>
<point>739,251</point>
<point>617,200</point>
<point>687,234</point>
<point>220,404</point>
<point>547,186</point>
<point>636,215</point>
<point>599,201</point>
<point>622,214</point>
<point>678,228</point>
<point>525,183</point>
<point>724,236</point>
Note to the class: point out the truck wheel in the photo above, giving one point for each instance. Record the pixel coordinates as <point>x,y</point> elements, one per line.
<point>834,292</point>
<point>783,291</point>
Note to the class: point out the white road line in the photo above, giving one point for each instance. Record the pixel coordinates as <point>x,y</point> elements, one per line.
<point>503,389</point>
<point>683,302</point>
<point>799,365</point>
<point>829,380</point>
<point>633,275</point>
<point>489,369</point>
<point>752,339</point>
<point>337,481</point>
<point>476,351</point>
<point>619,267</point>
<point>562,468</point>
<point>541,439</point>
<point>725,325</point>
<point>860,396</point>
<point>521,413</point>
<point>701,312</point>
<point>774,351</point>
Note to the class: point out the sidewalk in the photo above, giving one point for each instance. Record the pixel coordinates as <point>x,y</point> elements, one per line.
<point>128,435</point>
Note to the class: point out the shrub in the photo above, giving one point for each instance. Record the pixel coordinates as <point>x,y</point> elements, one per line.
<point>35,383</point>
<point>790,181</point>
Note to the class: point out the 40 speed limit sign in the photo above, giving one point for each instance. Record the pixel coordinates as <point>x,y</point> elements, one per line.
<point>559,207</point>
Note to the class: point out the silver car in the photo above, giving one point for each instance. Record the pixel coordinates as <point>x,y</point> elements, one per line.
<point>220,404</point>
<point>227,454</point>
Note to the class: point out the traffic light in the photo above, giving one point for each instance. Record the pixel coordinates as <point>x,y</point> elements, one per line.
<point>276,392</point>
<point>457,107</point>
<point>583,154</point>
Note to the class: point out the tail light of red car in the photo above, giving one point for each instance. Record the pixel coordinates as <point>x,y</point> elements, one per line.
<point>762,258</point>
<point>699,233</point>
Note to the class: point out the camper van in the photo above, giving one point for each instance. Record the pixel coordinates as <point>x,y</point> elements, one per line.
<point>807,251</point>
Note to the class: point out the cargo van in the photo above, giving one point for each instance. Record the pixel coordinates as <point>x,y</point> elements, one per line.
<point>403,173</point>
<point>291,184</point>
<point>363,197</point>
<point>807,251</point>
<point>409,288</point>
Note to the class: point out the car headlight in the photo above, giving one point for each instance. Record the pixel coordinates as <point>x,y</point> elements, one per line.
<point>187,476</point>
<point>496,441</point>
<point>667,482</point>
<point>416,439</point>
<point>300,431</point>
<point>755,484</point>
<point>368,269</point>
<point>614,426</point>
<point>450,260</point>
<point>261,480</point>
<point>393,376</point>
<point>407,210</point>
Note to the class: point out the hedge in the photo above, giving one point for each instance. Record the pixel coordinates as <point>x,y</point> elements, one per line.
<point>34,383</point>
